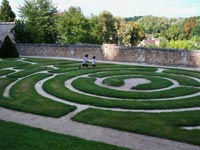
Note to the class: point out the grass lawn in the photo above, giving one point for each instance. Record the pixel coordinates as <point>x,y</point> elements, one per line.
<point>24,97</point>
<point>182,80</point>
<point>155,82</point>
<point>164,125</point>
<point>87,85</point>
<point>19,137</point>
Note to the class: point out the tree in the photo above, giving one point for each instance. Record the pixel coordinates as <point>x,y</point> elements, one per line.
<point>196,29</point>
<point>131,33</point>
<point>152,24</point>
<point>73,27</point>
<point>175,31</point>
<point>102,27</point>
<point>95,30</point>
<point>8,49</point>
<point>106,22</point>
<point>40,20</point>
<point>189,24</point>
<point>22,33</point>
<point>135,18</point>
<point>181,44</point>
<point>6,13</point>
<point>118,24</point>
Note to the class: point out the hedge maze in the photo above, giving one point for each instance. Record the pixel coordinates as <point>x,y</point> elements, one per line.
<point>155,101</point>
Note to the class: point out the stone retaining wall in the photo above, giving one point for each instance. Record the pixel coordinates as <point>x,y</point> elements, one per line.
<point>5,29</point>
<point>168,57</point>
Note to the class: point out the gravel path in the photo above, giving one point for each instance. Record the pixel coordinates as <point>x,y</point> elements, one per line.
<point>129,83</point>
<point>99,82</point>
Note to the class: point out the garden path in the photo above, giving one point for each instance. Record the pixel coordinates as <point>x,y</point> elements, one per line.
<point>65,125</point>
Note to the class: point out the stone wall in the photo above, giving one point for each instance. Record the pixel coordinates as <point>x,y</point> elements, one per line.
<point>59,50</point>
<point>168,57</point>
<point>5,28</point>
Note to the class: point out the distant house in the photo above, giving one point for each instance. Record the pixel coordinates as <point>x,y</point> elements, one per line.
<point>5,29</point>
<point>149,40</point>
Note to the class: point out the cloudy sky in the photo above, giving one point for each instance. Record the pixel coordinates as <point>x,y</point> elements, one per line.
<point>127,8</point>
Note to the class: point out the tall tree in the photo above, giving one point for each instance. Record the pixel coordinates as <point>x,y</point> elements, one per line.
<point>73,27</point>
<point>189,25</point>
<point>22,33</point>
<point>95,30</point>
<point>152,24</point>
<point>131,33</point>
<point>196,29</point>
<point>102,28</point>
<point>106,22</point>
<point>40,20</point>
<point>6,13</point>
<point>119,22</point>
<point>175,31</point>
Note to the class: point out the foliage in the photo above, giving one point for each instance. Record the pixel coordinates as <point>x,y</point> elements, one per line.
<point>42,24</point>
<point>175,31</point>
<point>8,49</point>
<point>152,24</point>
<point>73,27</point>
<point>118,24</point>
<point>95,30</point>
<point>196,29</point>
<point>21,32</point>
<point>189,24</point>
<point>130,33</point>
<point>40,21</point>
<point>6,13</point>
<point>181,44</point>
<point>106,21</point>
<point>196,41</point>
<point>135,18</point>
<point>163,42</point>
<point>103,28</point>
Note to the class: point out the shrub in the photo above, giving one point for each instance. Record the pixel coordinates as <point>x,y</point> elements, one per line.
<point>8,49</point>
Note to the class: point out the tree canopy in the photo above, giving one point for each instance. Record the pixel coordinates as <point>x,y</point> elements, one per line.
<point>152,24</point>
<point>73,27</point>
<point>6,13</point>
<point>40,21</point>
<point>130,33</point>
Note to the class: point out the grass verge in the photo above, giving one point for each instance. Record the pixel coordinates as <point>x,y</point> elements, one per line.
<point>156,82</point>
<point>25,98</point>
<point>87,85</point>
<point>19,137</point>
<point>163,125</point>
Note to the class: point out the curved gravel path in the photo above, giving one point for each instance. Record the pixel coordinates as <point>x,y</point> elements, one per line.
<point>129,83</point>
<point>41,91</point>
<point>68,84</point>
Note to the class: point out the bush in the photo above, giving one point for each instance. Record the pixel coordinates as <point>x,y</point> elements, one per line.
<point>181,44</point>
<point>8,49</point>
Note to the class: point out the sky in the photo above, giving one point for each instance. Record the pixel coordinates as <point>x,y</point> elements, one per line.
<point>127,8</point>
